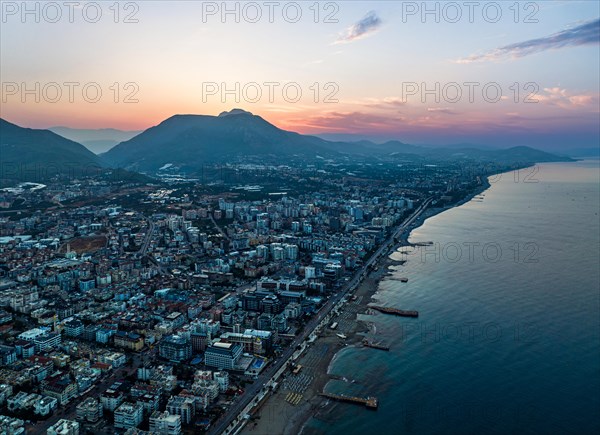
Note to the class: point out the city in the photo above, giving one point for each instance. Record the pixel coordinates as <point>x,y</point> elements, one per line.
<point>299,218</point>
<point>127,300</point>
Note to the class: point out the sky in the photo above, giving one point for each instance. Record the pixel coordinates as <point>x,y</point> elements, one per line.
<point>494,73</point>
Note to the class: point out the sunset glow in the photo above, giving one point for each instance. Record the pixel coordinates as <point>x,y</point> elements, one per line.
<point>357,74</point>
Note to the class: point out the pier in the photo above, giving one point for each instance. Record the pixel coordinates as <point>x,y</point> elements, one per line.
<point>395,311</point>
<point>367,343</point>
<point>369,402</point>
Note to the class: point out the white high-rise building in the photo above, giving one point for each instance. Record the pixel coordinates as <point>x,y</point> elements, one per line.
<point>262,251</point>
<point>291,252</point>
<point>164,423</point>
<point>222,379</point>
<point>128,415</point>
<point>64,427</point>
<point>310,272</point>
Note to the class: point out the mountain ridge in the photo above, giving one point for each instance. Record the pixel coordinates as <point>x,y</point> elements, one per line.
<point>98,140</point>
<point>188,141</point>
<point>206,138</point>
<point>28,153</point>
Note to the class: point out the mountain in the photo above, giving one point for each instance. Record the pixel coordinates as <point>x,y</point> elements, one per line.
<point>590,152</point>
<point>97,141</point>
<point>188,141</point>
<point>394,146</point>
<point>512,155</point>
<point>526,154</point>
<point>185,142</point>
<point>35,155</point>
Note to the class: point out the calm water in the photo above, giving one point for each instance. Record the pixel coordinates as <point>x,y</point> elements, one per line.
<point>508,338</point>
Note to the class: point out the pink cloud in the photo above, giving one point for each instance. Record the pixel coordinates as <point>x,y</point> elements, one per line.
<point>562,98</point>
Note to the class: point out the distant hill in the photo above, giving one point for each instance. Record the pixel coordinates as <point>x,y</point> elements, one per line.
<point>583,152</point>
<point>518,154</point>
<point>187,141</point>
<point>35,155</point>
<point>97,141</point>
<point>191,140</point>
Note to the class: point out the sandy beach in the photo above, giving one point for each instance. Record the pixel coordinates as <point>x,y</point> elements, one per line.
<point>297,397</point>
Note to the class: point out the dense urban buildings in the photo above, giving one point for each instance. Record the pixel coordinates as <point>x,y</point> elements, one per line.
<point>155,305</point>
<point>256,218</point>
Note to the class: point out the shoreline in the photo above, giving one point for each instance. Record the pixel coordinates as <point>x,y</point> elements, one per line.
<point>277,414</point>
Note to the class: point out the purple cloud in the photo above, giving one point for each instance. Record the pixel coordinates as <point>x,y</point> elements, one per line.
<point>585,34</point>
<point>367,25</point>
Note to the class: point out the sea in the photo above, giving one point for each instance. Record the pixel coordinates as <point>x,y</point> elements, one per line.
<point>507,340</point>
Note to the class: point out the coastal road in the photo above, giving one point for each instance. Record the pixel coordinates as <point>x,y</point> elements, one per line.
<point>233,414</point>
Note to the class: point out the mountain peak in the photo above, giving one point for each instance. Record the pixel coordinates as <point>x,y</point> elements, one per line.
<point>234,112</point>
